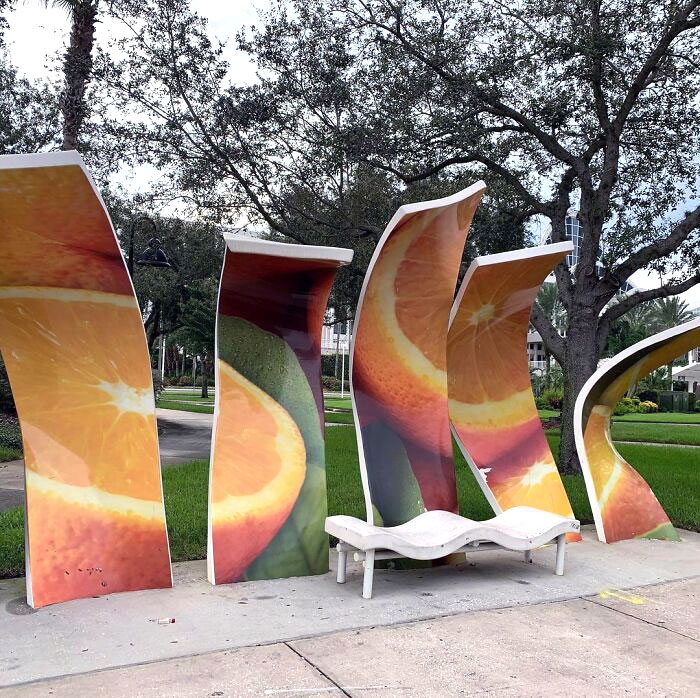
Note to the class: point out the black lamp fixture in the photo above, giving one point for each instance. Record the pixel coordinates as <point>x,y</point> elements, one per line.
<point>154,255</point>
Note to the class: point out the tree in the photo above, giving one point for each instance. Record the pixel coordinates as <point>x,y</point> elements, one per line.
<point>581,104</point>
<point>28,110</point>
<point>668,313</point>
<point>274,153</point>
<point>634,326</point>
<point>561,103</point>
<point>194,248</point>
<point>77,66</point>
<point>198,328</point>
<point>28,113</point>
<point>548,300</point>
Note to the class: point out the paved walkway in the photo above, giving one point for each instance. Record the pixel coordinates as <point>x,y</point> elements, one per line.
<point>11,484</point>
<point>495,625</point>
<point>654,443</point>
<point>644,642</point>
<point>183,436</point>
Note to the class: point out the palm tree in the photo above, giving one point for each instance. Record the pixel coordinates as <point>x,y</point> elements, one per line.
<point>77,66</point>
<point>640,319</point>
<point>668,313</point>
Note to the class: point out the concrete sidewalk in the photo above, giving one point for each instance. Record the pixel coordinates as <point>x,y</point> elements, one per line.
<point>183,436</point>
<point>577,640</point>
<point>644,642</point>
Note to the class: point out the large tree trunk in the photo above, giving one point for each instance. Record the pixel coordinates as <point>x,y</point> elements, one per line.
<point>77,67</point>
<point>579,365</point>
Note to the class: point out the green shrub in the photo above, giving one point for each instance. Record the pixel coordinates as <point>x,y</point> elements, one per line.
<point>649,396</point>
<point>184,381</point>
<point>541,403</point>
<point>333,384</point>
<point>621,409</point>
<point>553,398</point>
<point>10,435</point>
<point>692,402</point>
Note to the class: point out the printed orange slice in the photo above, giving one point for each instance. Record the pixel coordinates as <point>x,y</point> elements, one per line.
<point>492,407</point>
<point>628,506</point>
<point>258,470</point>
<point>82,386</point>
<point>399,360</point>
<point>58,233</point>
<point>490,384</point>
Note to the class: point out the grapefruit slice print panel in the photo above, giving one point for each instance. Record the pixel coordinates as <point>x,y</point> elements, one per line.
<point>73,342</point>
<point>267,477</point>
<point>623,504</point>
<point>492,408</point>
<point>399,362</point>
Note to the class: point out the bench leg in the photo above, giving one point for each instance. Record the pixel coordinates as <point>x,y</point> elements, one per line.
<point>528,556</point>
<point>369,575</point>
<point>342,562</point>
<point>561,551</point>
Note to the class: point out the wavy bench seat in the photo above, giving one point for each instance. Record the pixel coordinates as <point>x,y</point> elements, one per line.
<point>435,534</point>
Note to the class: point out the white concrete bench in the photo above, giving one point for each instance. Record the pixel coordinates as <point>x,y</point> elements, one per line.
<point>435,534</point>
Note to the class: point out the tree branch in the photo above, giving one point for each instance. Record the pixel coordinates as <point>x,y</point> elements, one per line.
<point>551,338</point>
<point>661,248</point>
<point>619,309</point>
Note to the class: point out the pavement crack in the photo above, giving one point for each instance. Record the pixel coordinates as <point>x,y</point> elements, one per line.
<point>643,620</point>
<point>319,670</point>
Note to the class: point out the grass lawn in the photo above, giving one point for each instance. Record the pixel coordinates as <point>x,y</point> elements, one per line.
<point>195,396</point>
<point>176,405</point>
<point>547,414</point>
<point>659,433</point>
<point>184,399</point>
<point>9,454</point>
<point>673,474</point>
<point>338,403</point>
<point>339,418</point>
<point>661,417</point>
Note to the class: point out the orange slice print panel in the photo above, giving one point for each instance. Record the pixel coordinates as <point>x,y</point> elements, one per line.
<point>82,384</point>
<point>258,468</point>
<point>55,229</point>
<point>84,543</point>
<point>492,408</point>
<point>398,365</point>
<point>399,356</point>
<point>610,480</point>
<point>628,506</point>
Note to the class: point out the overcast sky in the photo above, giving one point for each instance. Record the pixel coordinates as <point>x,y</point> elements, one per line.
<point>37,33</point>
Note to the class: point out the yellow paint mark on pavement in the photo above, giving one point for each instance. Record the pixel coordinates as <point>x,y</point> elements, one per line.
<point>629,598</point>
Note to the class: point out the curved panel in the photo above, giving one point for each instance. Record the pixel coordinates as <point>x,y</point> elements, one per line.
<point>492,408</point>
<point>267,489</point>
<point>73,342</point>
<point>623,504</point>
<point>398,370</point>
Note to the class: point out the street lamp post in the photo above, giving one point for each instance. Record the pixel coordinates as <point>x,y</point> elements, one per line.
<point>152,256</point>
